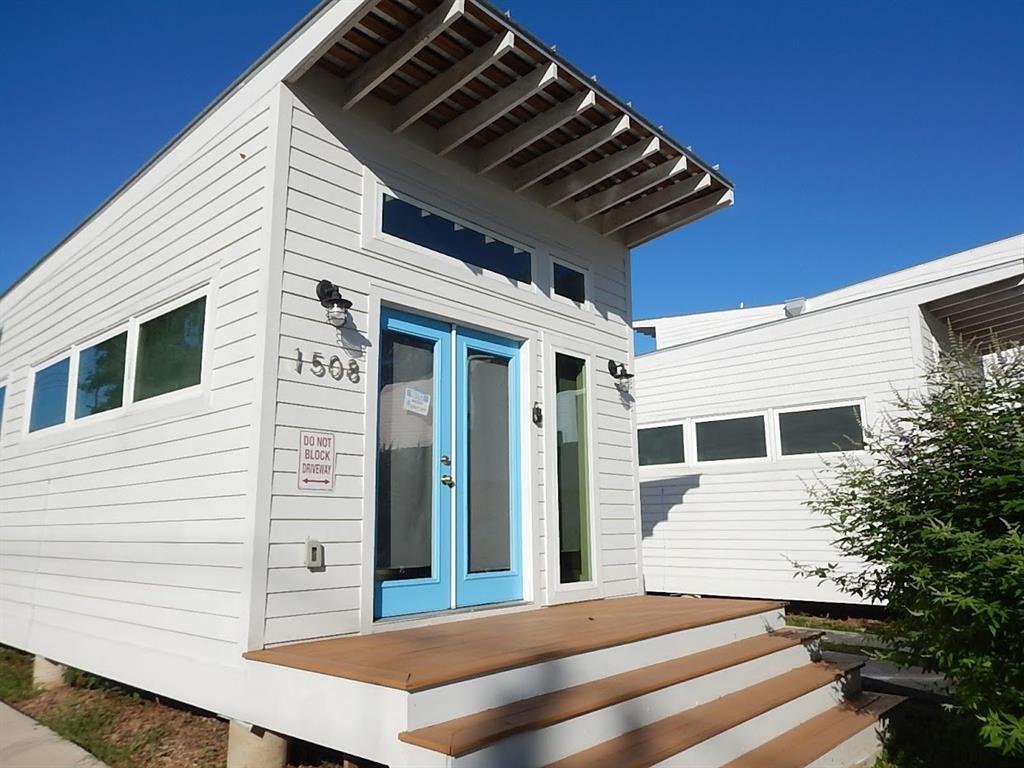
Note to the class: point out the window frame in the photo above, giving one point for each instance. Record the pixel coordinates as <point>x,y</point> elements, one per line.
<point>559,592</point>
<point>379,189</point>
<point>76,351</point>
<point>129,405</point>
<point>688,451</point>
<point>770,439</point>
<point>588,287</point>
<point>204,360</point>
<point>30,393</point>
<point>777,412</point>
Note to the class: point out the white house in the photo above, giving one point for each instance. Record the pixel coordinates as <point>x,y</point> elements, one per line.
<point>739,409</point>
<point>321,422</point>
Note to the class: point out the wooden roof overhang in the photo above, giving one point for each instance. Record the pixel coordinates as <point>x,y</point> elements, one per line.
<point>991,317</point>
<point>477,88</point>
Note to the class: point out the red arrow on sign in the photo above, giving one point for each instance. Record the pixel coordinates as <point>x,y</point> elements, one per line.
<point>307,480</point>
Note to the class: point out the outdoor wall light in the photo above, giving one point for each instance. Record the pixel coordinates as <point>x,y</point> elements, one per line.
<point>618,371</point>
<point>331,299</point>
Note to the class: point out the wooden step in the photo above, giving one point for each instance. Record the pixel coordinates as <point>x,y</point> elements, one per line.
<point>418,658</point>
<point>472,732</point>
<point>801,746</point>
<point>660,740</point>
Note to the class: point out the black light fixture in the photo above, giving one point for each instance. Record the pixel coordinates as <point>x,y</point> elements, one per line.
<point>619,372</point>
<point>337,306</point>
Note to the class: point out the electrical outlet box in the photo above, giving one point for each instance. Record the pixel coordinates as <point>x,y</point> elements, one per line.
<point>314,554</point>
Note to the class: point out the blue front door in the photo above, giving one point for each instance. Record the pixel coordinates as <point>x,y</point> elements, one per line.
<point>448,480</point>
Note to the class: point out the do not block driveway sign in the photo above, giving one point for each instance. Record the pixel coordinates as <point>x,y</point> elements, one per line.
<point>316,461</point>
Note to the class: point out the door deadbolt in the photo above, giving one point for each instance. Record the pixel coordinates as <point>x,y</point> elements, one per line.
<point>445,460</point>
<point>447,480</point>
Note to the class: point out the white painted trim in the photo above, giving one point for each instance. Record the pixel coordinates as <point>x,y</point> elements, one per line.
<point>557,592</point>
<point>129,406</point>
<point>261,458</point>
<point>438,308</point>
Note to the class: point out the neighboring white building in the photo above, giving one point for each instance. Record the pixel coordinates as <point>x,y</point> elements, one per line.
<point>734,408</point>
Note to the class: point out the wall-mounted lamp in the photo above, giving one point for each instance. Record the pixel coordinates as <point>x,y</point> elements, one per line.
<point>619,372</point>
<point>331,299</point>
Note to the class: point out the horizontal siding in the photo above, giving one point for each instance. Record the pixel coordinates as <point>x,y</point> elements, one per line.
<point>323,239</point>
<point>134,526</point>
<point>736,528</point>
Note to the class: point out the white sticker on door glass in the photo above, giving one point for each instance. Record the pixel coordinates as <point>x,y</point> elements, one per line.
<point>416,401</point>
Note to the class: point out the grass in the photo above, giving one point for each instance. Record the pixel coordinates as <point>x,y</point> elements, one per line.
<point>128,728</point>
<point>15,675</point>
<point>87,713</point>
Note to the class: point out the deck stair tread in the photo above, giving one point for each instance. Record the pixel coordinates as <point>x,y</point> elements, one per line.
<point>801,746</point>
<point>423,657</point>
<point>472,732</point>
<point>660,740</point>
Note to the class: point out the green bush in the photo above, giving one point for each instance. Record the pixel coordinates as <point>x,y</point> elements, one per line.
<point>937,516</point>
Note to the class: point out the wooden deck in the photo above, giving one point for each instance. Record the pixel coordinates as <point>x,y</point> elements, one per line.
<point>428,656</point>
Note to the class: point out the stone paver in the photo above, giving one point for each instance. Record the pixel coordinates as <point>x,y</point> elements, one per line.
<point>24,743</point>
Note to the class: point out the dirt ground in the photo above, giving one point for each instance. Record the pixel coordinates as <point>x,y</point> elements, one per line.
<point>126,728</point>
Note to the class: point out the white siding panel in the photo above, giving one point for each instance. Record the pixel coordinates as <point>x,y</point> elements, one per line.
<point>328,236</point>
<point>132,525</point>
<point>735,528</point>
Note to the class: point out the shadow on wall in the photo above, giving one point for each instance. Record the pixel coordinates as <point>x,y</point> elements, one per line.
<point>373,147</point>
<point>658,496</point>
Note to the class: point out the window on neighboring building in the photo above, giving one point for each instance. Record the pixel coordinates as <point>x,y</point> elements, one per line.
<point>821,430</point>
<point>101,376</point>
<point>661,445</point>
<point>50,395</point>
<point>438,233</point>
<point>170,351</point>
<point>569,282</point>
<point>741,438</point>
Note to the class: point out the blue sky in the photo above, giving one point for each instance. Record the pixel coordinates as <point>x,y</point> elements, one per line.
<point>862,137</point>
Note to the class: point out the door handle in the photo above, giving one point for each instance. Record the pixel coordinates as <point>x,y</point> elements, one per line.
<point>447,480</point>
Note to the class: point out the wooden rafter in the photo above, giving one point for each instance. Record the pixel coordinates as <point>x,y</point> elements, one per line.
<point>540,126</point>
<point>650,228</point>
<point>486,112</point>
<point>622,217</point>
<point>594,173</point>
<point>546,164</point>
<point>620,193</point>
<point>377,69</point>
<point>427,96</point>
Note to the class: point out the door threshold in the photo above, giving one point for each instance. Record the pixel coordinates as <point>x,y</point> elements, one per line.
<point>410,620</point>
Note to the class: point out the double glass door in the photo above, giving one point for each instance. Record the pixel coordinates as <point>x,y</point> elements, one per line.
<point>448,474</point>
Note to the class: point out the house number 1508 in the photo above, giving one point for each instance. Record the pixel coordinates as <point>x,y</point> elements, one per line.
<point>334,367</point>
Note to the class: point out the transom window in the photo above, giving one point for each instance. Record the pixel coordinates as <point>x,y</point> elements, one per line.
<point>416,224</point>
<point>569,282</point>
<point>821,430</point>
<point>661,445</point>
<point>740,438</point>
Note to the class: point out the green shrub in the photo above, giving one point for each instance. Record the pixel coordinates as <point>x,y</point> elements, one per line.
<point>937,516</point>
